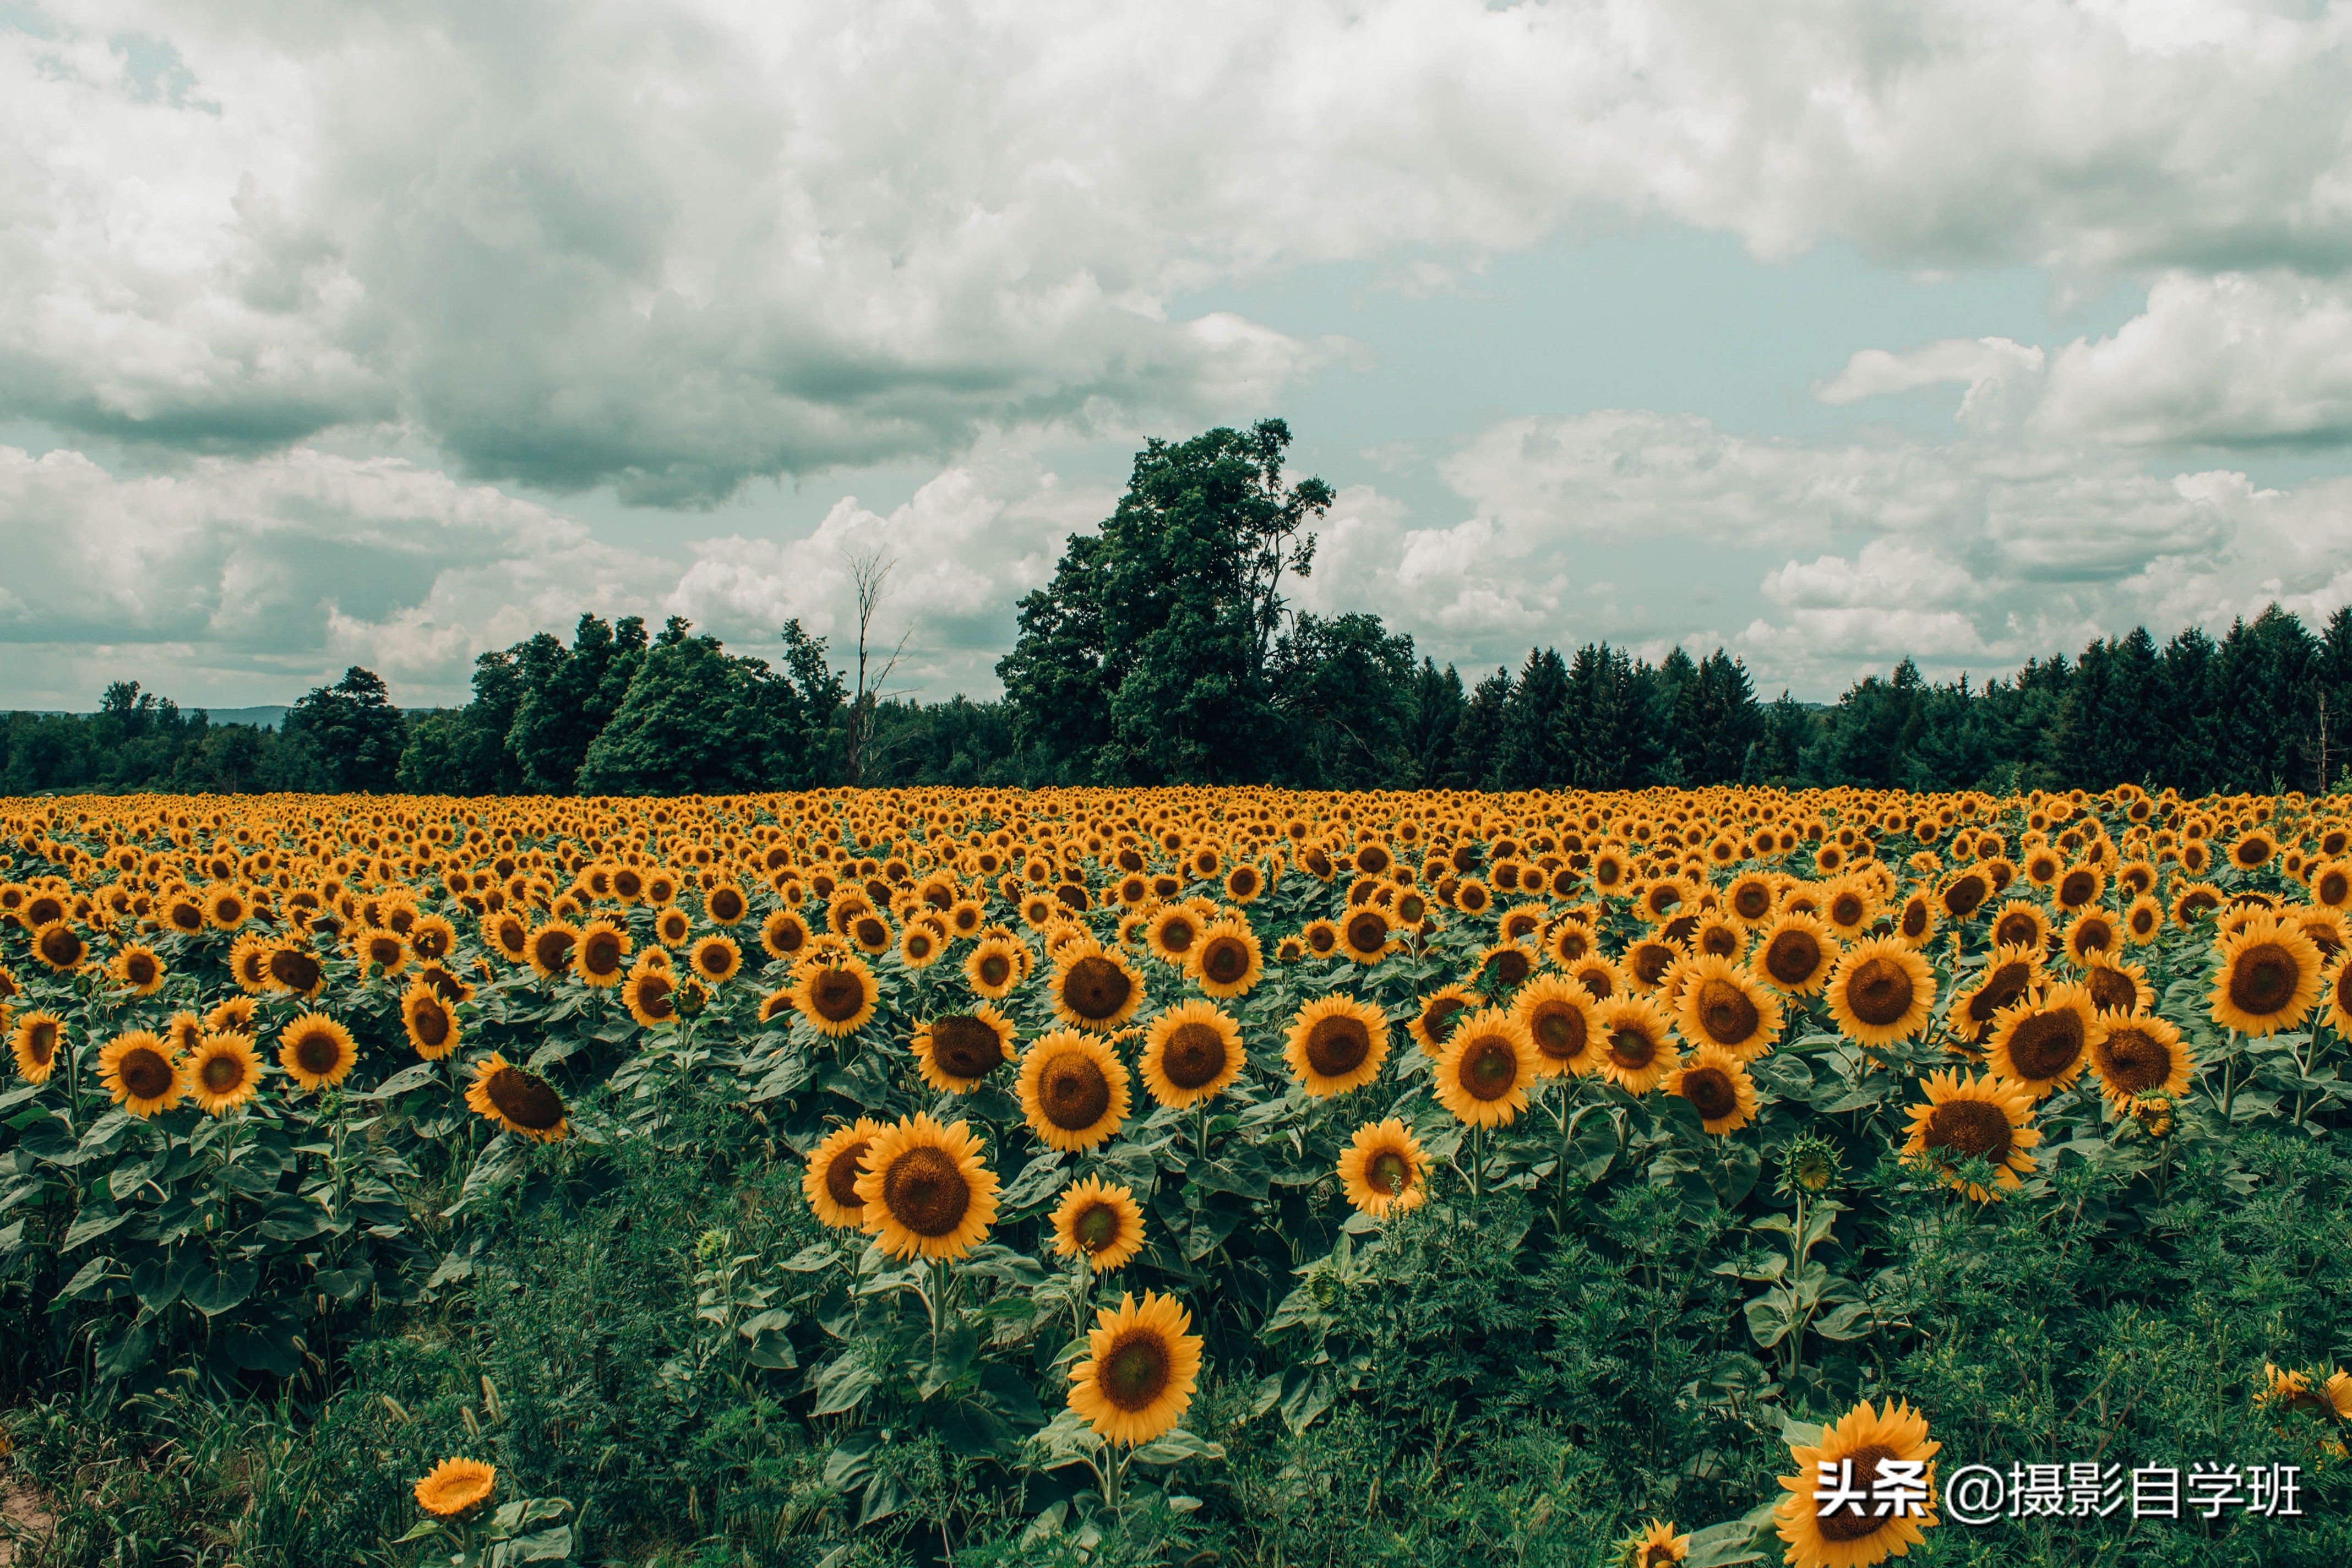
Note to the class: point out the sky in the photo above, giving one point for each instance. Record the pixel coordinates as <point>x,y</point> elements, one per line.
<point>1829,334</point>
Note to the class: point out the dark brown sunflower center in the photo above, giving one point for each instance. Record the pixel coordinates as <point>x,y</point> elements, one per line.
<point>2001,987</point>
<point>1915,917</point>
<point>838,994</point>
<point>1966,1128</point>
<point>995,969</point>
<point>1847,910</point>
<point>870,931</point>
<point>1792,957</point>
<point>1388,1173</point>
<point>1489,1068</point>
<point>61,947</point>
<point>841,1174</point>
<point>1321,938</point>
<point>1847,1524</point>
<point>318,1052</point>
<point>185,917</point>
<point>1195,1054</point>
<point>1096,988</point>
<point>138,969</point>
<point>1226,960</point>
<point>1751,900</point>
<point>926,1190</point>
<point>1597,980</point>
<point>431,1024</point>
<point>1711,1092</point>
<point>295,969</point>
<point>41,1042</point>
<point>2076,889</point>
<point>552,949</point>
<point>1559,1031</point>
<point>726,904</point>
<point>1177,936</point>
<point>1338,1046</point>
<point>1074,1092</point>
<point>2262,978</point>
<point>2112,990</point>
<point>1879,992</point>
<point>653,994</point>
<point>1963,896</point>
<point>1366,932</point>
<point>713,959</point>
<point>601,954</point>
<point>2133,1060</point>
<point>145,1073</point>
<point>1096,1227</point>
<point>966,1046</point>
<point>2046,1044</point>
<point>222,1073</point>
<point>526,1100</point>
<point>1631,1049</point>
<point>1437,1018</point>
<point>1727,1014</point>
<point>1136,1372</point>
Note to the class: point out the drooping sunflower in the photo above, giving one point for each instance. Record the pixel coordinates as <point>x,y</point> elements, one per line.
<point>1141,1367</point>
<point>955,1051</point>
<point>137,1069</point>
<point>1074,1090</point>
<point>1100,1221</point>
<point>317,1051</point>
<point>522,1102</point>
<point>2118,987</point>
<point>1228,962</point>
<point>2042,1043</point>
<point>995,966</point>
<point>1191,1052</point>
<point>136,968</point>
<point>2009,975</point>
<point>550,949</point>
<point>182,1034</point>
<point>926,1190</point>
<point>601,958</point>
<point>34,1043</point>
<point>431,1027</point>
<point>1560,1018</point>
<point>1716,1084</point>
<point>1723,1005</point>
<point>830,1182</point>
<point>1488,1064</point>
<point>1857,1535</point>
<point>1795,952</point>
<point>1384,1168</point>
<point>1881,992</point>
<point>1637,1047</point>
<point>296,970</point>
<point>2139,1057</point>
<point>837,995</point>
<point>2267,980</point>
<point>222,1073</point>
<point>1094,987</point>
<point>455,1485</point>
<point>1968,1117</point>
<point>1336,1044</point>
<point>1435,1020</point>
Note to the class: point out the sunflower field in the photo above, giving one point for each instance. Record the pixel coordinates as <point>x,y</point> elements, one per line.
<point>1184,1176</point>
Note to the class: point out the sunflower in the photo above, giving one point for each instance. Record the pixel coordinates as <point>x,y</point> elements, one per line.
<point>1881,992</point>
<point>1557,1014</point>
<point>234,1016</point>
<point>2267,980</point>
<point>1434,1021</point>
<point>672,927</point>
<point>1228,961</point>
<point>2336,991</point>
<point>1570,941</point>
<point>1915,923</point>
<point>226,908</point>
<point>1795,952</point>
<point>59,946</point>
<point>920,942</point>
<point>1600,978</point>
<point>1173,933</point>
<point>137,1069</point>
<point>317,1051</point>
<point>2139,1057</point>
<point>296,971</point>
<point>1336,1044</point>
<point>956,1050</point>
<point>2118,987</point>
<point>995,966</point>
<point>2022,923</point>
<point>2009,975</point>
<point>2253,849</point>
<point>1506,964</point>
<point>1191,1052</point>
<point>2042,1043</point>
<point>1384,1168</point>
<point>1637,1051</point>
<point>431,1027</point>
<point>1484,1074</point>
<point>926,1190</point>
<point>550,948</point>
<point>1716,1084</point>
<point>136,968</point>
<point>383,950</point>
<point>222,1073</point>
<point>522,1102</point>
<point>34,1042</point>
<point>1100,1221</point>
<point>1365,934</point>
<point>182,1034</point>
<point>601,958</point>
<point>647,992</point>
<point>830,1182</point>
<point>782,935</point>
<point>1655,1547</point>
<point>1966,1117</point>
<point>2090,936</point>
<point>1855,1454</point>
<point>1074,1090</point>
<point>837,995</point>
<point>1092,987</point>
<point>508,934</point>
<point>455,1485</point>
<point>714,960</point>
<point>1321,938</point>
<point>723,903</point>
<point>1140,1369</point>
<point>1723,1005</point>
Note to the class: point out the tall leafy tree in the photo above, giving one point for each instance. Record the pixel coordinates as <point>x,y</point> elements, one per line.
<point>352,731</point>
<point>1344,689</point>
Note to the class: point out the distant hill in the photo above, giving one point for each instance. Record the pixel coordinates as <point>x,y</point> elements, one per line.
<point>267,717</point>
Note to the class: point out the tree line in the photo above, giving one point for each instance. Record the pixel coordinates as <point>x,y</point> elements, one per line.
<point>1164,651</point>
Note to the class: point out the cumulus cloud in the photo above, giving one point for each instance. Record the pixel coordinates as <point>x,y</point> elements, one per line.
<point>667,246</point>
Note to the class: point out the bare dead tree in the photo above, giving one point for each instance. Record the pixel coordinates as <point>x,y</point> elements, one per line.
<point>870,573</point>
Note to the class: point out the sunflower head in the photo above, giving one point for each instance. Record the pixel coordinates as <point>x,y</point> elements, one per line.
<point>830,1182</point>
<point>1637,1048</point>
<point>455,1486</point>
<point>1723,1005</point>
<point>1718,1088</point>
<point>1142,1368</point>
<point>956,1051</point>
<point>316,1051</point>
<point>1486,1068</point>
<point>223,1072</point>
<point>2042,1043</point>
<point>1435,1018</point>
<point>1881,992</point>
<point>1336,1044</point>
<point>1092,987</point>
<point>1967,1120</point>
<point>1657,1546</point>
<point>925,1191</point>
<point>1854,1456</point>
<point>2267,978</point>
<point>1384,1169</point>
<point>431,1026</point>
<point>835,994</point>
<point>1561,1022</point>
<point>1099,1221</point>
<point>1227,961</point>
<point>1191,1052</point>
<point>138,1070</point>
<point>1074,1090</point>
<point>520,1101</point>
<point>1795,952</point>
<point>2140,1057</point>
